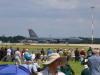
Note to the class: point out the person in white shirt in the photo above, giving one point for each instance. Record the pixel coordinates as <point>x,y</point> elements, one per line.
<point>18,57</point>
<point>36,64</point>
<point>73,55</point>
<point>8,52</point>
<point>30,65</point>
<point>8,55</point>
<point>33,56</point>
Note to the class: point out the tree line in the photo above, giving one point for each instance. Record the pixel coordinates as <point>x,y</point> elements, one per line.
<point>18,39</point>
<point>88,40</point>
<point>11,39</point>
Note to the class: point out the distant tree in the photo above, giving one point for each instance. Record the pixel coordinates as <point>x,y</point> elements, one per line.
<point>85,40</point>
<point>15,39</point>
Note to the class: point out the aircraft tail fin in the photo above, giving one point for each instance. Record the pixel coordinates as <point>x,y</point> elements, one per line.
<point>32,33</point>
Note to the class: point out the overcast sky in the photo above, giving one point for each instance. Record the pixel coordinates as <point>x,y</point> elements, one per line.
<point>49,18</point>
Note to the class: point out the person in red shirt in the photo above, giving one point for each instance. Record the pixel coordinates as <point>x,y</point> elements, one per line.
<point>82,52</point>
<point>82,55</point>
<point>23,51</point>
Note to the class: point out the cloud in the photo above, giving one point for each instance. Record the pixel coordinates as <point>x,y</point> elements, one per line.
<point>80,20</point>
<point>57,17</point>
<point>59,4</point>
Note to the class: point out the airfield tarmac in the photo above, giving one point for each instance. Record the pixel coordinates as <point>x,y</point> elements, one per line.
<point>39,44</point>
<point>89,45</point>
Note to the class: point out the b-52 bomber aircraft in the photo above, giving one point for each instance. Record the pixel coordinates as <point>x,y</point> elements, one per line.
<point>34,37</point>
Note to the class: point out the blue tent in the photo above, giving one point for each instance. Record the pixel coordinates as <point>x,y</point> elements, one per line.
<point>13,70</point>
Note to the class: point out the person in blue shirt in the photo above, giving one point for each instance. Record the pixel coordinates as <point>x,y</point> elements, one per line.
<point>89,52</point>
<point>12,51</point>
<point>94,64</point>
<point>49,51</point>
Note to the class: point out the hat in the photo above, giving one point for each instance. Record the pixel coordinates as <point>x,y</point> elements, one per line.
<point>28,56</point>
<point>54,56</point>
<point>65,49</point>
<point>85,66</point>
<point>26,49</point>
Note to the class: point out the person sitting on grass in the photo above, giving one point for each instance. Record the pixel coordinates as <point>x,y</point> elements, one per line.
<point>30,64</point>
<point>67,69</point>
<point>53,62</point>
<point>85,71</point>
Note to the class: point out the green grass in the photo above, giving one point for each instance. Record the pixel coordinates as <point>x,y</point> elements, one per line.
<point>76,66</point>
<point>38,46</point>
<point>4,63</point>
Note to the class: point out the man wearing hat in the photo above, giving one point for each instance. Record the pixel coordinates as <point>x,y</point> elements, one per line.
<point>85,71</point>
<point>53,62</point>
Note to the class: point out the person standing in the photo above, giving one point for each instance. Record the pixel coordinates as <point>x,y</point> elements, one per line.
<point>61,52</point>
<point>49,51</point>
<point>77,55</point>
<point>73,55</point>
<point>4,54</point>
<point>22,53</point>
<point>18,57</point>
<point>33,56</point>
<point>82,55</point>
<point>97,51</point>
<point>12,54</point>
<point>68,53</point>
<point>89,52</point>
<point>94,64</point>
<point>42,52</point>
<point>12,51</point>
<point>8,55</point>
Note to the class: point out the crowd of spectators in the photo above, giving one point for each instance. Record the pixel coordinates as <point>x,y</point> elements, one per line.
<point>31,60</point>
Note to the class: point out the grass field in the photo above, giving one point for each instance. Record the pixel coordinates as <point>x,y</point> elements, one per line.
<point>39,46</point>
<point>76,66</point>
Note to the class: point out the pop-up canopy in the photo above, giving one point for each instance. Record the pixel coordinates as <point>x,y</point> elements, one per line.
<point>13,70</point>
